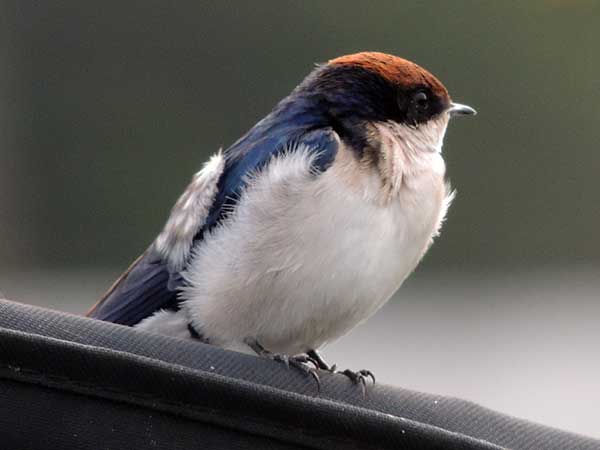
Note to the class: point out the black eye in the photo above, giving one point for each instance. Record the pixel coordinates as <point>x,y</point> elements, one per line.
<point>421,101</point>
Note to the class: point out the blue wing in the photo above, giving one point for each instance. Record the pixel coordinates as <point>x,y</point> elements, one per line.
<point>144,288</point>
<point>149,285</point>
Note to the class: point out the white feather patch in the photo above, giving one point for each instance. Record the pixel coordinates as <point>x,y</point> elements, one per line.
<point>303,259</point>
<point>168,323</point>
<point>189,213</point>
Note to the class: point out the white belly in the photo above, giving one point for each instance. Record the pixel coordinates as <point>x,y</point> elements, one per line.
<point>304,259</point>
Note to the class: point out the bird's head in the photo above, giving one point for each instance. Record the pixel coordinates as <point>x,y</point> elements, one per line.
<point>377,88</point>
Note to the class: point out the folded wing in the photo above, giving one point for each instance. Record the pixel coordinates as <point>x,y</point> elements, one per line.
<point>153,280</point>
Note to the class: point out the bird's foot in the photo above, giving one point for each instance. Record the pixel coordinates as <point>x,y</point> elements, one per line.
<point>302,362</point>
<point>320,362</point>
<point>359,377</point>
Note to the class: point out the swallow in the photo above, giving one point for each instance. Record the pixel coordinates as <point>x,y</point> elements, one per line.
<point>308,224</point>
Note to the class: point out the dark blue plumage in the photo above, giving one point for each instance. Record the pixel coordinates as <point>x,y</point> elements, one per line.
<point>143,289</point>
<point>245,158</point>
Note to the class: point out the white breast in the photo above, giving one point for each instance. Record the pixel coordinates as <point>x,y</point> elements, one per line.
<point>305,258</point>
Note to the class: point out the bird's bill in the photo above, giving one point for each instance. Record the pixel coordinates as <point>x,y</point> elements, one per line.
<point>456,109</point>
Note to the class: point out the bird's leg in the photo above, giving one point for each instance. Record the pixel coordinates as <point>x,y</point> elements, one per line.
<point>321,364</point>
<point>300,362</point>
<point>358,377</point>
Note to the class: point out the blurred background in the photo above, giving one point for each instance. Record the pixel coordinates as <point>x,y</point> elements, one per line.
<point>108,108</point>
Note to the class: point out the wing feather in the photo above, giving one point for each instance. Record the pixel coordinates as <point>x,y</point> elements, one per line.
<point>153,280</point>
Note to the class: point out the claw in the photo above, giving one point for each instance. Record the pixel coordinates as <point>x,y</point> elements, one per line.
<point>301,362</point>
<point>315,375</point>
<point>368,373</point>
<point>360,377</point>
<point>307,360</point>
<point>363,387</point>
<point>319,361</point>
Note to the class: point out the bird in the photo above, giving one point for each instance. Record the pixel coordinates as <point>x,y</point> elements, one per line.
<point>305,226</point>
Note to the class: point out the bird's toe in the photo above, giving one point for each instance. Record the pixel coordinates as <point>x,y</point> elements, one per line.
<point>359,377</point>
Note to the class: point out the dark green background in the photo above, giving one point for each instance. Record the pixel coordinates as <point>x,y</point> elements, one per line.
<point>107,109</point>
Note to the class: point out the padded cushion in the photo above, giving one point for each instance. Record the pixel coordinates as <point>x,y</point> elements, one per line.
<point>71,382</point>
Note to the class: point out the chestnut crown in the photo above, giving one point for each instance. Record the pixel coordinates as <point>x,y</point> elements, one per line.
<point>377,86</point>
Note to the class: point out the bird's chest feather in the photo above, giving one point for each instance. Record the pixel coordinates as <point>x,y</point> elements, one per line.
<point>305,258</point>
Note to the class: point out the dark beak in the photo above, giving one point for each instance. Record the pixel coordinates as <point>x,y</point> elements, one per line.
<point>456,109</point>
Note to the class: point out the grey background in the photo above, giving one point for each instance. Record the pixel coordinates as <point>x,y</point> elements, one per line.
<point>108,108</point>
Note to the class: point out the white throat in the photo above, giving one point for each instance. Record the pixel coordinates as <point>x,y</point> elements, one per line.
<point>405,153</point>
